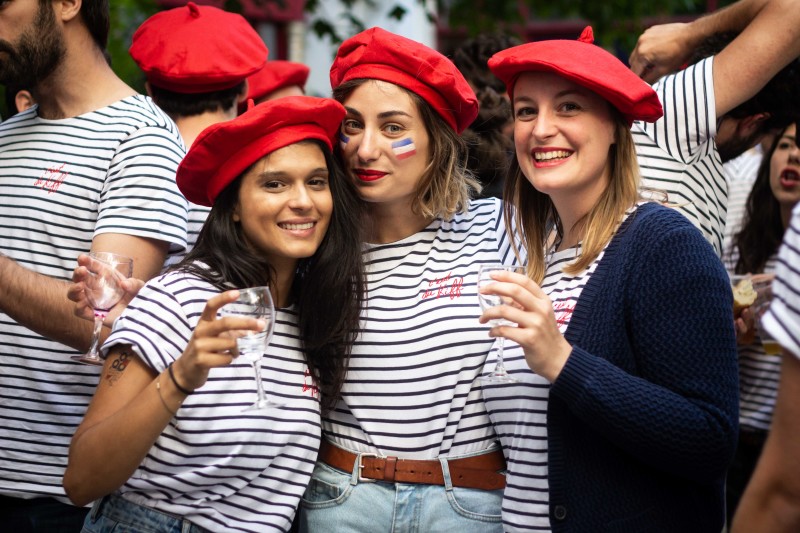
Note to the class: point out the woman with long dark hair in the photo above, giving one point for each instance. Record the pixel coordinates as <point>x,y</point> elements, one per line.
<point>754,250</point>
<point>165,443</point>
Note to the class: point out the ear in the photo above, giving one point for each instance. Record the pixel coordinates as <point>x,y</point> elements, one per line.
<point>23,100</point>
<point>236,216</point>
<point>67,10</point>
<point>245,90</point>
<point>751,125</point>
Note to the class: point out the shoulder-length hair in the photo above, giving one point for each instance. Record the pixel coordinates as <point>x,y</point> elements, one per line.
<point>762,227</point>
<point>535,216</point>
<point>328,287</point>
<point>446,185</point>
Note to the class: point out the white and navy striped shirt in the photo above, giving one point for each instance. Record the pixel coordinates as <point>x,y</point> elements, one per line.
<point>62,182</point>
<point>782,320</point>
<point>215,465</point>
<point>740,175</point>
<point>677,153</point>
<point>411,388</point>
<point>519,410</point>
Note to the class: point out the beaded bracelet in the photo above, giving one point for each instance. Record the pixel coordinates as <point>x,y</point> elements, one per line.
<point>161,397</point>
<point>175,381</point>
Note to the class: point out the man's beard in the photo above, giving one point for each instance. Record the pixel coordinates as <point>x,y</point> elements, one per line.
<point>737,145</point>
<point>38,52</point>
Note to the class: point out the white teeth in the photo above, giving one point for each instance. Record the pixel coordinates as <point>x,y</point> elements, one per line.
<point>547,156</point>
<point>298,227</point>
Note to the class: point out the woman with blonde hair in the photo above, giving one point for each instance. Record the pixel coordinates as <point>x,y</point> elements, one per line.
<point>623,415</point>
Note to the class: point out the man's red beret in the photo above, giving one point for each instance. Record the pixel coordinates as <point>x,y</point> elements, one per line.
<point>225,150</point>
<point>378,54</point>
<point>587,65</point>
<point>197,49</point>
<point>276,75</point>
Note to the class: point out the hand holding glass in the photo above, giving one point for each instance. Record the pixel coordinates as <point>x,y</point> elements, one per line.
<point>493,300</point>
<point>255,302</point>
<point>103,291</point>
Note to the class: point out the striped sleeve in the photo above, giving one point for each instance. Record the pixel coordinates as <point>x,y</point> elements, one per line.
<point>677,153</point>
<point>783,318</point>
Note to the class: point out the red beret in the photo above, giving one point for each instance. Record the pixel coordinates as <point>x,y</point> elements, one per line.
<point>276,75</point>
<point>197,49</point>
<point>585,64</point>
<point>381,55</point>
<point>225,150</point>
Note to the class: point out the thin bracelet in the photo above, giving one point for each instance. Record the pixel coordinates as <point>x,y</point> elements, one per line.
<point>161,397</point>
<point>175,381</point>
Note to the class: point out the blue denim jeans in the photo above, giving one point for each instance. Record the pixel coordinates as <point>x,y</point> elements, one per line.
<point>118,515</point>
<point>338,501</point>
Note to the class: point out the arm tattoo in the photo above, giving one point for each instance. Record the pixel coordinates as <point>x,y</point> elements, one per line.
<point>118,365</point>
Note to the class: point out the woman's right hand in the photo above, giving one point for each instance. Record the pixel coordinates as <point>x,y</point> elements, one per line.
<point>76,293</point>
<point>745,325</point>
<point>212,343</point>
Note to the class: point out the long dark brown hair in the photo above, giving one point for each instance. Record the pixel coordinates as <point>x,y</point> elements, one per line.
<point>762,226</point>
<point>328,287</point>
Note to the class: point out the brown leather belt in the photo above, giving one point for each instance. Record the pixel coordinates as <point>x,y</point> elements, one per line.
<point>475,472</point>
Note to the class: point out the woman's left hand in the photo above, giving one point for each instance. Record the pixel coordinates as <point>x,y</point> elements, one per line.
<point>546,350</point>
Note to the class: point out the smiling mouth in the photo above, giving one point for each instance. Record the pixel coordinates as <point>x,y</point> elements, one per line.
<point>553,155</point>
<point>297,227</point>
<point>369,175</point>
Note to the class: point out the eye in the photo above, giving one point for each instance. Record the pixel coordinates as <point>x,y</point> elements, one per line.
<point>525,113</point>
<point>318,183</point>
<point>273,185</point>
<point>394,129</point>
<point>351,126</point>
<point>783,145</point>
<point>569,107</point>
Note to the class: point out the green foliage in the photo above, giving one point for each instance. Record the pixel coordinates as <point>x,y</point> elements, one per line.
<point>126,16</point>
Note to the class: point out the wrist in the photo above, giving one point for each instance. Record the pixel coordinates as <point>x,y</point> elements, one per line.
<point>178,383</point>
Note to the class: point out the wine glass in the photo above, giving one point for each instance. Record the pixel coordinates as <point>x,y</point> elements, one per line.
<point>499,375</point>
<point>255,302</point>
<point>103,291</point>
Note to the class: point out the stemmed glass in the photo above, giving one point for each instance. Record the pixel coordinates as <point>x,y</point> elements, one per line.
<point>255,302</point>
<point>499,375</point>
<point>103,291</point>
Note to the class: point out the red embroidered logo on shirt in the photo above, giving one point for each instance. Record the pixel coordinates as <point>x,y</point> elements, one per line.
<point>312,387</point>
<point>52,179</point>
<point>563,312</point>
<point>446,286</point>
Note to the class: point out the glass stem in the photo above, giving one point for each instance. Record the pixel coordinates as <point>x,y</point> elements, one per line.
<point>500,368</point>
<point>259,385</point>
<point>93,347</point>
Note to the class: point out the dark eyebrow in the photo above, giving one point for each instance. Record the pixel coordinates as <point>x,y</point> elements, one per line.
<point>561,94</point>
<point>382,116</point>
<point>271,174</point>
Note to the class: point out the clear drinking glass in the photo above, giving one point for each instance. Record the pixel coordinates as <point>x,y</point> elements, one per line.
<point>255,302</point>
<point>492,300</point>
<point>103,291</point>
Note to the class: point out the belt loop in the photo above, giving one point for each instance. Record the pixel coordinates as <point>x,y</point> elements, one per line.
<point>186,526</point>
<point>95,512</point>
<point>448,483</point>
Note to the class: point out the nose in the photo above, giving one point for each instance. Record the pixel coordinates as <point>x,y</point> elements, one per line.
<point>301,199</point>
<point>545,125</point>
<point>367,146</point>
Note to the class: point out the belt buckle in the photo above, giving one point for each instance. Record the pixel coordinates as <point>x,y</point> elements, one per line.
<point>362,479</point>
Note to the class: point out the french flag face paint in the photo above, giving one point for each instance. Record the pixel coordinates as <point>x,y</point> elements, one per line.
<point>404,149</point>
<point>343,140</point>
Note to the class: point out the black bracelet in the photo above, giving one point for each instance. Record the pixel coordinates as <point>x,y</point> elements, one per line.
<point>175,381</point>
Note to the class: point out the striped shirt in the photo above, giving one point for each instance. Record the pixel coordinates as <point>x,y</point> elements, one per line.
<point>782,320</point>
<point>677,153</point>
<point>215,465</point>
<point>740,175</point>
<point>62,182</point>
<point>411,388</point>
<point>519,410</point>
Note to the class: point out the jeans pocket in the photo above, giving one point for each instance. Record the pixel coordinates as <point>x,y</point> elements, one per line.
<point>327,487</point>
<point>478,504</point>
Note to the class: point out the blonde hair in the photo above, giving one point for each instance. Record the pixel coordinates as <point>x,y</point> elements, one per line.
<point>535,216</point>
<point>446,185</point>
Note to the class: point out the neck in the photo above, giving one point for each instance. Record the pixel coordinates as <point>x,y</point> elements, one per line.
<point>281,287</point>
<point>393,223</point>
<point>83,82</point>
<point>191,126</point>
<point>786,214</point>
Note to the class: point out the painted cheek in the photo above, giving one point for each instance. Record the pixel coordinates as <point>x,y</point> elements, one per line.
<point>343,140</point>
<point>404,149</point>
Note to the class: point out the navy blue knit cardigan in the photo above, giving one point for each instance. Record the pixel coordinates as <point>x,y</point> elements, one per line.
<point>643,418</point>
